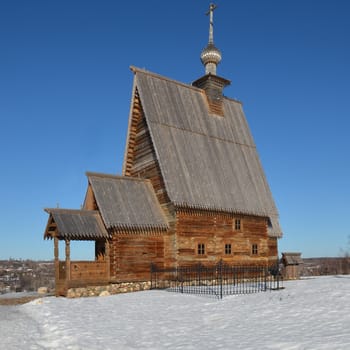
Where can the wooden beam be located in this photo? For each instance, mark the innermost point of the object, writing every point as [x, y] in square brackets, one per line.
[108, 262]
[57, 263]
[67, 259]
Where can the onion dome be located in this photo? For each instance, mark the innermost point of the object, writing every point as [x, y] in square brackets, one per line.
[210, 57]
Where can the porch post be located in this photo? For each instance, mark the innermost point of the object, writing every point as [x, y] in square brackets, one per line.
[107, 254]
[67, 259]
[57, 263]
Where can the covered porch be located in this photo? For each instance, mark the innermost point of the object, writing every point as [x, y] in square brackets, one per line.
[78, 225]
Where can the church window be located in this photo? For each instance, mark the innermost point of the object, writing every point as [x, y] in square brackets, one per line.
[201, 249]
[254, 249]
[238, 224]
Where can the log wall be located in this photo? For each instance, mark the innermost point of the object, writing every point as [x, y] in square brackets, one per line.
[90, 201]
[141, 160]
[273, 250]
[88, 270]
[132, 255]
[215, 230]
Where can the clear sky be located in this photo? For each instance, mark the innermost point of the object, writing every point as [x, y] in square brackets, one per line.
[65, 90]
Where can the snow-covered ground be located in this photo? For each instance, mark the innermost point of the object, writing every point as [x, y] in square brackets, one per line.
[14, 295]
[307, 314]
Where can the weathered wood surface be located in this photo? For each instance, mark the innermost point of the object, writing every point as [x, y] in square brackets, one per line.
[88, 270]
[132, 255]
[207, 162]
[216, 230]
[292, 272]
[83, 270]
[141, 160]
[80, 274]
[273, 250]
[127, 202]
[74, 224]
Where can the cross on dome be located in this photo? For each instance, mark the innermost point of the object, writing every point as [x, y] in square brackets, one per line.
[211, 55]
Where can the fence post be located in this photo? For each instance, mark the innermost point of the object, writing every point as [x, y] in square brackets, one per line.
[181, 278]
[152, 272]
[199, 266]
[220, 277]
[201, 279]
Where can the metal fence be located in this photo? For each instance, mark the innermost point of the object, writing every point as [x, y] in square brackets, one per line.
[218, 280]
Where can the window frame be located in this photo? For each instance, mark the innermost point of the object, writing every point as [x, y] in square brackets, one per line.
[255, 249]
[201, 249]
[237, 224]
[228, 248]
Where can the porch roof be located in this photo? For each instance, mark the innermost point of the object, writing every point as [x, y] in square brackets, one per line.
[127, 203]
[75, 225]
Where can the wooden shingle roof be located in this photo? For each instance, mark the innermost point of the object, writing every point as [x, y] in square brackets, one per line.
[75, 225]
[127, 203]
[207, 161]
[292, 258]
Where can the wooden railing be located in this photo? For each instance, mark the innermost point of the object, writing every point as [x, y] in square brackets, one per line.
[84, 270]
[62, 270]
[88, 270]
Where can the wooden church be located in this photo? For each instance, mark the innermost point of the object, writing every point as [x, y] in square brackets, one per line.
[192, 189]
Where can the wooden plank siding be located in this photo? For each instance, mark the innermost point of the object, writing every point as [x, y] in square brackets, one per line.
[90, 200]
[141, 160]
[215, 230]
[132, 255]
[273, 250]
[80, 274]
[88, 270]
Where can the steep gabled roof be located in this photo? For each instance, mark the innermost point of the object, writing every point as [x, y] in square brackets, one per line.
[75, 225]
[126, 202]
[207, 161]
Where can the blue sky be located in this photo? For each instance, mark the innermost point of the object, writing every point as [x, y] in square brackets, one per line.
[65, 89]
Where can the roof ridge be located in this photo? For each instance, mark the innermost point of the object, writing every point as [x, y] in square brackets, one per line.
[71, 211]
[189, 85]
[233, 99]
[116, 177]
[161, 77]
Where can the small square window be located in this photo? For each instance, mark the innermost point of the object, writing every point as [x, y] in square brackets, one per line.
[201, 249]
[237, 224]
[254, 249]
[228, 249]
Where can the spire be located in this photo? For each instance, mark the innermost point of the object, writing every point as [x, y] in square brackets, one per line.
[211, 56]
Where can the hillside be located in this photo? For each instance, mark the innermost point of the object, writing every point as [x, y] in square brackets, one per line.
[25, 275]
[312, 313]
[325, 266]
